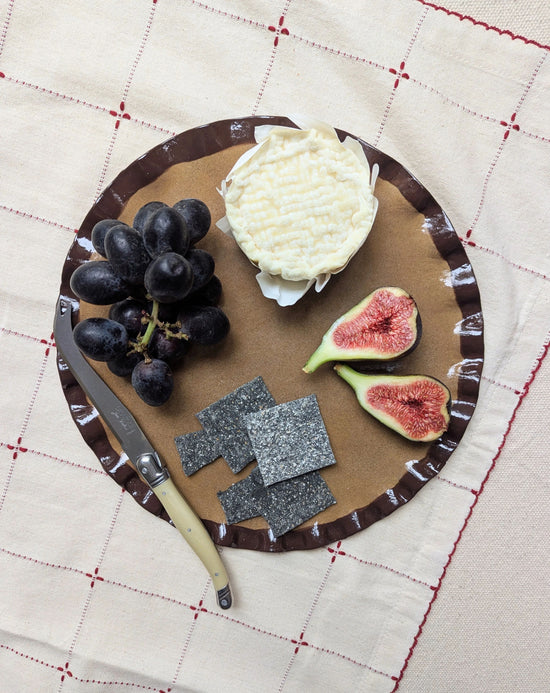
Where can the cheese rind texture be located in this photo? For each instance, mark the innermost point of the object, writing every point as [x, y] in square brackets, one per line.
[301, 204]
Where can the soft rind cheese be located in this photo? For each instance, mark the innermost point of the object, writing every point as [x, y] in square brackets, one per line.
[299, 205]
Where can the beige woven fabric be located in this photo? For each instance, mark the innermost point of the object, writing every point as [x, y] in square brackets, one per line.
[520, 18]
[97, 595]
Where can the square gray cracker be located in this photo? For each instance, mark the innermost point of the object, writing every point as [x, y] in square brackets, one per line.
[196, 450]
[237, 501]
[224, 419]
[289, 503]
[289, 439]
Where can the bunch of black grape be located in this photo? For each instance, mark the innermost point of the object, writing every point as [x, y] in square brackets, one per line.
[162, 291]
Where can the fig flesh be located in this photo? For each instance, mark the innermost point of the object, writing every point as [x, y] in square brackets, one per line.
[384, 326]
[416, 406]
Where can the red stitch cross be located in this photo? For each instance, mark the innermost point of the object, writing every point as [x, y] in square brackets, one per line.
[17, 448]
[510, 126]
[336, 552]
[66, 671]
[399, 73]
[120, 114]
[299, 643]
[198, 609]
[278, 30]
[94, 577]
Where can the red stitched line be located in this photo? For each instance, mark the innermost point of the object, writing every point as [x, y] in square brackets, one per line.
[88, 600]
[504, 386]
[470, 111]
[27, 215]
[229, 15]
[267, 73]
[51, 92]
[501, 146]
[24, 425]
[190, 633]
[488, 27]
[122, 106]
[308, 618]
[455, 485]
[6, 25]
[127, 684]
[538, 363]
[381, 565]
[38, 340]
[495, 253]
[53, 458]
[396, 82]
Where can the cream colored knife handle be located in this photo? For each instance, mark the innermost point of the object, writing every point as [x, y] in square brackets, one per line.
[196, 535]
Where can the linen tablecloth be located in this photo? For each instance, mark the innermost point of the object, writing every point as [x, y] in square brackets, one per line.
[450, 592]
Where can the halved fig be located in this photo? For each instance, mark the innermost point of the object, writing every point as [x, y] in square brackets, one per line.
[416, 406]
[383, 326]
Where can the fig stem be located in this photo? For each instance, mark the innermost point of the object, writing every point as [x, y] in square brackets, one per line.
[314, 361]
[345, 372]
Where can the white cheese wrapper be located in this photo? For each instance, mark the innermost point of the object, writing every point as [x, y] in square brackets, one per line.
[287, 291]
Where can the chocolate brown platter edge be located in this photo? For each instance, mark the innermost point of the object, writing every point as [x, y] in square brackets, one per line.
[200, 143]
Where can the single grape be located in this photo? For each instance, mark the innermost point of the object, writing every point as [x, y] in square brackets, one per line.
[129, 313]
[153, 381]
[100, 231]
[101, 339]
[204, 325]
[96, 282]
[144, 212]
[169, 278]
[165, 230]
[126, 253]
[208, 295]
[124, 365]
[166, 348]
[197, 216]
[202, 264]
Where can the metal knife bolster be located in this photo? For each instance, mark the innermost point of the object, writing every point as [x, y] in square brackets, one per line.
[151, 469]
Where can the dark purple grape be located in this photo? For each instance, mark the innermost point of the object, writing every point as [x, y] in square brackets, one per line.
[124, 365]
[165, 231]
[126, 253]
[129, 313]
[153, 381]
[165, 348]
[197, 216]
[169, 278]
[101, 339]
[208, 295]
[202, 264]
[204, 325]
[96, 282]
[144, 213]
[100, 231]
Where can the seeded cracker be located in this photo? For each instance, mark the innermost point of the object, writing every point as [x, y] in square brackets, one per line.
[290, 503]
[196, 450]
[289, 440]
[224, 420]
[237, 501]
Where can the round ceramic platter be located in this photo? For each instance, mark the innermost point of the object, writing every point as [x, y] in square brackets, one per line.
[412, 245]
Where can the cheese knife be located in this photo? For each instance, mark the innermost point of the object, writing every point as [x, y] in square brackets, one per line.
[141, 453]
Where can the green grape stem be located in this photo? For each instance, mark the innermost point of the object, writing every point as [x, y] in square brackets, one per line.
[153, 322]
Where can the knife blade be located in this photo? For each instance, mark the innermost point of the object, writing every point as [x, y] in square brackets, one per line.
[141, 453]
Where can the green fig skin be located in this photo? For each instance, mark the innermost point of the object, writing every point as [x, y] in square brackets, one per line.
[377, 347]
[422, 402]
